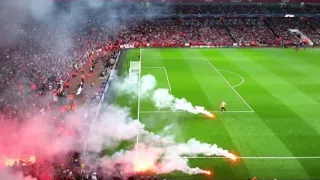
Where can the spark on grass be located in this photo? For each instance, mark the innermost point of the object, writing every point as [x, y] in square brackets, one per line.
[211, 115]
[207, 172]
[232, 157]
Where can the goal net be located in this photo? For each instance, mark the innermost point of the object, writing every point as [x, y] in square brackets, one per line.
[134, 71]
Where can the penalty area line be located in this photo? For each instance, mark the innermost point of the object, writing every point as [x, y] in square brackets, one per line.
[165, 71]
[146, 112]
[151, 67]
[215, 69]
[247, 157]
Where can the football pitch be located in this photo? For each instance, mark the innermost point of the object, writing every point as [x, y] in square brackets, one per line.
[272, 120]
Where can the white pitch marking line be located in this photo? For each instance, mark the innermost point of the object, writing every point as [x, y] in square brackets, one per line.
[153, 67]
[165, 71]
[242, 79]
[175, 58]
[146, 112]
[229, 84]
[139, 93]
[248, 157]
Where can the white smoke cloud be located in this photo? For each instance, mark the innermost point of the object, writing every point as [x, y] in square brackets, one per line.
[126, 85]
[154, 152]
[160, 154]
[195, 148]
[148, 83]
[95, 3]
[66, 15]
[113, 126]
[41, 9]
[172, 157]
[160, 97]
[130, 86]
[177, 163]
[166, 159]
[163, 99]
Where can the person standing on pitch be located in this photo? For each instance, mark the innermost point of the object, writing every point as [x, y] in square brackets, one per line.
[223, 106]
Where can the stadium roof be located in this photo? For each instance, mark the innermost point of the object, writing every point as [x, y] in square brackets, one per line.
[226, 1]
[210, 1]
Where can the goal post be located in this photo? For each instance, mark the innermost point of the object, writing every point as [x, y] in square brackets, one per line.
[134, 71]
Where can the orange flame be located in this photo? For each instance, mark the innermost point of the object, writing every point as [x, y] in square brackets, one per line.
[207, 172]
[233, 157]
[27, 159]
[142, 166]
[211, 115]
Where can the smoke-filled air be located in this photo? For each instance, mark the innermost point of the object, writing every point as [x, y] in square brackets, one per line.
[53, 114]
[163, 99]
[154, 152]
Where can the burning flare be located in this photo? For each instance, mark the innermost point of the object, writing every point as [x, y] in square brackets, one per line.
[207, 172]
[163, 99]
[211, 115]
[142, 166]
[232, 157]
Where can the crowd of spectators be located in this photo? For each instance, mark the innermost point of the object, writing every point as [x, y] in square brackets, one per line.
[36, 65]
[199, 9]
[70, 166]
[281, 25]
[178, 32]
[314, 34]
[274, 9]
[30, 69]
[65, 167]
[231, 9]
[31, 73]
[312, 9]
[250, 30]
[239, 9]
[217, 31]
[307, 29]
[294, 10]
[219, 9]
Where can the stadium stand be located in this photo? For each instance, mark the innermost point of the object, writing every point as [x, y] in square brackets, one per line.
[249, 30]
[312, 9]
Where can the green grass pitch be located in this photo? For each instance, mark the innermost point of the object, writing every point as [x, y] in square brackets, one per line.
[273, 118]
